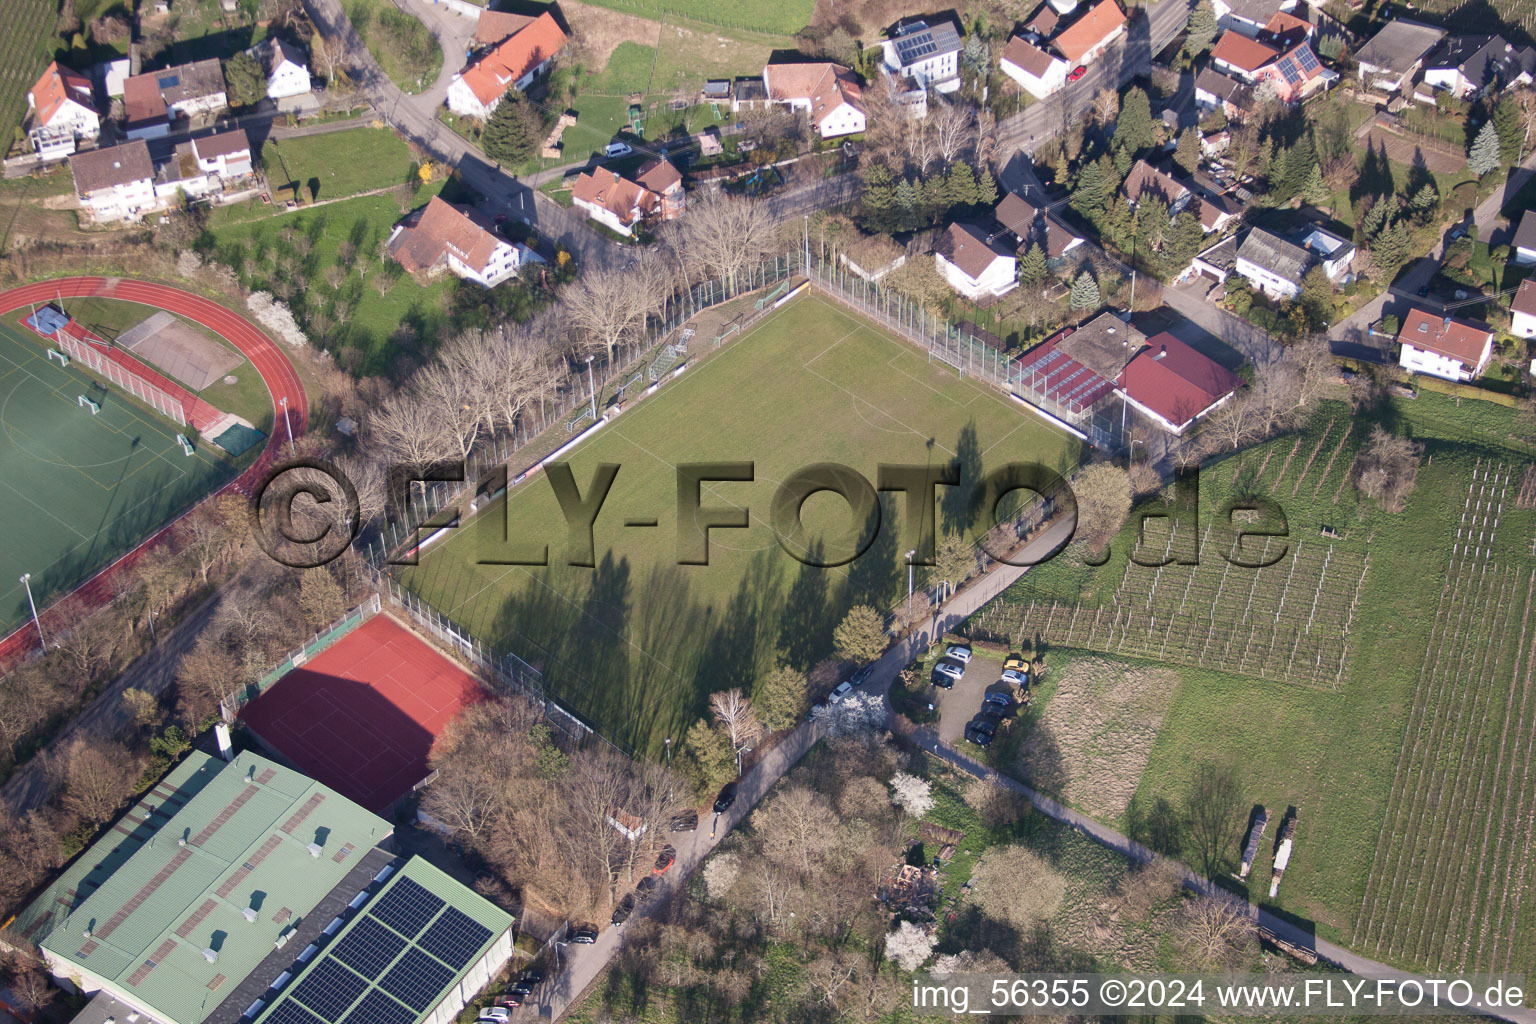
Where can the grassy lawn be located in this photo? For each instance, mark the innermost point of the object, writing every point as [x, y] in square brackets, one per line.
[247, 397]
[402, 45]
[1349, 754]
[25, 52]
[338, 164]
[637, 644]
[784, 17]
[202, 30]
[305, 249]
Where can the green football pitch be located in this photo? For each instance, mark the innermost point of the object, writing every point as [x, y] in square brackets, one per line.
[636, 644]
[76, 489]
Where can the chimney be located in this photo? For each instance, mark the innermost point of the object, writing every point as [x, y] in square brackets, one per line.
[315, 850]
[1162, 351]
[226, 749]
[211, 955]
[250, 914]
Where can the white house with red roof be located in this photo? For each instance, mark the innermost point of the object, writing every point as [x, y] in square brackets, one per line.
[458, 239]
[1173, 384]
[283, 64]
[1037, 70]
[1280, 55]
[513, 63]
[613, 200]
[1086, 39]
[1443, 346]
[1523, 310]
[62, 112]
[827, 93]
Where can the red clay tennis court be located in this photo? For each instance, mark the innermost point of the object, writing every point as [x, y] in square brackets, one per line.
[361, 716]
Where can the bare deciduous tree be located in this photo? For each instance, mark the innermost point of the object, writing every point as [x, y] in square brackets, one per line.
[1015, 885]
[1214, 808]
[604, 308]
[96, 775]
[1388, 469]
[1215, 930]
[724, 236]
[952, 125]
[734, 712]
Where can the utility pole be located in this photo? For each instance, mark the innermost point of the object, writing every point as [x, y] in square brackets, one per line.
[591, 389]
[909, 581]
[287, 426]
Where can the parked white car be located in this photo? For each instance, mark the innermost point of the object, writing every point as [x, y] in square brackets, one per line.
[960, 654]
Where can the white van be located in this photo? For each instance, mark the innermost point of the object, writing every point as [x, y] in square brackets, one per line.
[616, 149]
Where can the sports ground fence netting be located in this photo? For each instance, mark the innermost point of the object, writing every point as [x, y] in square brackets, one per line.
[409, 534]
[117, 366]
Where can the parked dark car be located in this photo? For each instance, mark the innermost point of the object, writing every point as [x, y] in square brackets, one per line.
[584, 934]
[664, 860]
[726, 798]
[686, 821]
[982, 729]
[645, 888]
[624, 909]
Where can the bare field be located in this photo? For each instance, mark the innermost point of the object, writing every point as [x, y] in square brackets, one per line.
[1092, 741]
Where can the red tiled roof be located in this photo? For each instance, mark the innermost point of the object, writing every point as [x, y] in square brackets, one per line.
[614, 193]
[494, 26]
[1285, 30]
[1241, 52]
[443, 228]
[1020, 52]
[492, 74]
[826, 86]
[659, 176]
[967, 247]
[56, 87]
[1525, 298]
[211, 147]
[142, 101]
[1446, 336]
[1090, 30]
[1175, 381]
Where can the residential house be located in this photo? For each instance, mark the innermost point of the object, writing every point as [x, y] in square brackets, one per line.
[1045, 21]
[1522, 248]
[1390, 59]
[1173, 384]
[663, 181]
[1294, 72]
[1145, 180]
[444, 236]
[512, 63]
[180, 176]
[1032, 225]
[1284, 31]
[828, 94]
[1273, 265]
[1443, 346]
[611, 199]
[152, 101]
[973, 264]
[116, 182]
[111, 75]
[1214, 211]
[1248, 16]
[1216, 91]
[225, 154]
[62, 112]
[1038, 71]
[1466, 66]
[1523, 310]
[1216, 262]
[926, 53]
[492, 28]
[1091, 34]
[287, 73]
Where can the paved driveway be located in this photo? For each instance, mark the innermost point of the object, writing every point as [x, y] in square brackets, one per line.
[958, 706]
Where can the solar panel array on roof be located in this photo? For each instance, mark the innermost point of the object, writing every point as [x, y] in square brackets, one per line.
[378, 1008]
[454, 938]
[1308, 58]
[1288, 69]
[915, 47]
[416, 979]
[369, 948]
[329, 989]
[290, 1012]
[168, 81]
[406, 908]
[1062, 378]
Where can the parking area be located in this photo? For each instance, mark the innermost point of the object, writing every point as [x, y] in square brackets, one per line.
[956, 707]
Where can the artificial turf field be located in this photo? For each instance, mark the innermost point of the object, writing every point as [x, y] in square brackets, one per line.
[637, 643]
[77, 490]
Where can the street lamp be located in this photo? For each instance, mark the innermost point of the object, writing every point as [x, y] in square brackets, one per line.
[283, 401]
[591, 388]
[668, 744]
[739, 752]
[26, 578]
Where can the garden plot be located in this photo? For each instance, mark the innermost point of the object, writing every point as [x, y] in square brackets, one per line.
[1450, 884]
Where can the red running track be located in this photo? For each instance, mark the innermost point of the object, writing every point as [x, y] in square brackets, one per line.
[276, 372]
[361, 716]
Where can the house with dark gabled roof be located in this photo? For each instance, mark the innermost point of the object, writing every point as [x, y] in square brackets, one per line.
[1523, 310]
[1443, 346]
[1033, 225]
[1522, 248]
[1248, 16]
[1273, 265]
[1216, 91]
[1471, 65]
[1039, 71]
[116, 182]
[973, 264]
[926, 51]
[1175, 385]
[1389, 59]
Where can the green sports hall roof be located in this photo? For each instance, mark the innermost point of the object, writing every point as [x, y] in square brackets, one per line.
[192, 889]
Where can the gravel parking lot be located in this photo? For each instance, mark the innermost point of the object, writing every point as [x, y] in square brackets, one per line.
[958, 706]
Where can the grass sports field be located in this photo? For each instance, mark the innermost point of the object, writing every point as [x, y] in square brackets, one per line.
[77, 490]
[638, 643]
